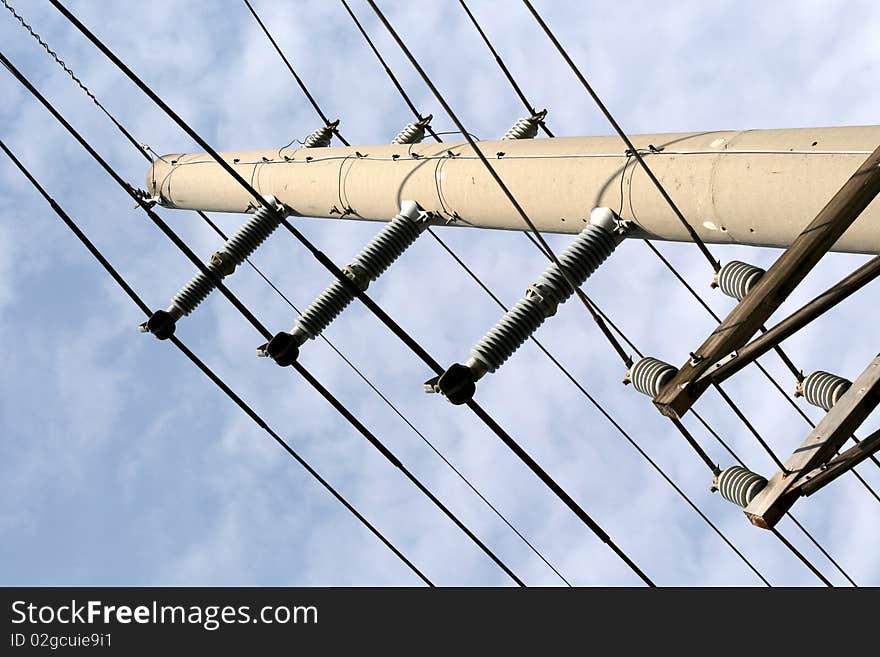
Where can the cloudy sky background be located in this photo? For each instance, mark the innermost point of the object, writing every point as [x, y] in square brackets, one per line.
[122, 465]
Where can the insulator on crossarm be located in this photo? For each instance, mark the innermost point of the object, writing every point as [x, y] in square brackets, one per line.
[525, 128]
[413, 132]
[235, 251]
[649, 375]
[736, 278]
[581, 258]
[822, 389]
[738, 485]
[394, 238]
[321, 137]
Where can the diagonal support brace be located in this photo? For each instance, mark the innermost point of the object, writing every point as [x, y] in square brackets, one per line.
[817, 449]
[824, 475]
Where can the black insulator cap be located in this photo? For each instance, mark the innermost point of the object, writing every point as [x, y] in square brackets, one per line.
[283, 349]
[161, 324]
[457, 384]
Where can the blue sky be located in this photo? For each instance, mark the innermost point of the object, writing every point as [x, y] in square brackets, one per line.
[121, 464]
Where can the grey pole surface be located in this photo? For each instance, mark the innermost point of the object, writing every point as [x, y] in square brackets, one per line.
[754, 187]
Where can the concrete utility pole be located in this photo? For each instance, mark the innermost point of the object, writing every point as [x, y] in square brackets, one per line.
[757, 187]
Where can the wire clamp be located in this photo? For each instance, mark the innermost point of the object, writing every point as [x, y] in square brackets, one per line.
[282, 348]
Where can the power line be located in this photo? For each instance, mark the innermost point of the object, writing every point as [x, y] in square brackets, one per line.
[716, 265]
[603, 411]
[369, 383]
[740, 461]
[72, 75]
[142, 149]
[682, 430]
[757, 363]
[492, 172]
[564, 496]
[599, 317]
[631, 148]
[445, 460]
[803, 529]
[458, 123]
[480, 283]
[525, 101]
[385, 399]
[708, 461]
[296, 77]
[366, 433]
[801, 556]
[205, 369]
[391, 75]
[736, 458]
[582, 515]
[785, 359]
[633, 152]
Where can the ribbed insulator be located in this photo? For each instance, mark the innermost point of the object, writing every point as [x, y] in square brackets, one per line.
[823, 389]
[235, 251]
[580, 259]
[649, 375]
[320, 138]
[412, 133]
[740, 485]
[736, 278]
[394, 238]
[525, 128]
[193, 293]
[508, 335]
[250, 235]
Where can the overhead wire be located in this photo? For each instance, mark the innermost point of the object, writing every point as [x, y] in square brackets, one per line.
[246, 408]
[562, 368]
[281, 294]
[679, 426]
[684, 432]
[605, 412]
[327, 122]
[487, 419]
[758, 364]
[308, 158]
[476, 149]
[141, 147]
[682, 429]
[796, 522]
[543, 246]
[632, 151]
[301, 370]
[779, 351]
[727, 447]
[716, 266]
[419, 117]
[525, 101]
[494, 174]
[393, 78]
